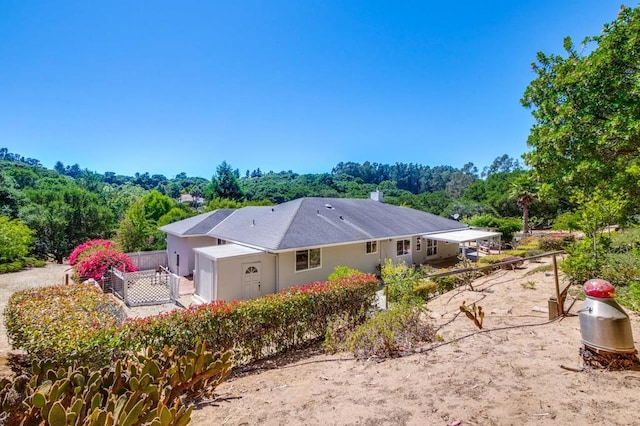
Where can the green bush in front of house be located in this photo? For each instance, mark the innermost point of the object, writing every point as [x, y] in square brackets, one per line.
[388, 334]
[260, 327]
[65, 323]
[79, 323]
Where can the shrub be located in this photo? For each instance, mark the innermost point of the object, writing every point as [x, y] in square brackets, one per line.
[620, 268]
[15, 240]
[400, 280]
[507, 226]
[64, 323]
[90, 246]
[425, 289]
[259, 327]
[390, 333]
[11, 267]
[96, 263]
[630, 296]
[533, 252]
[343, 272]
[556, 241]
[492, 258]
[515, 253]
[582, 264]
[529, 242]
[79, 322]
[32, 262]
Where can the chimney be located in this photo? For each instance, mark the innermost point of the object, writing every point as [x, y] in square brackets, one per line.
[377, 196]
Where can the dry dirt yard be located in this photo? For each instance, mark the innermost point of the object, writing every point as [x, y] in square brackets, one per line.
[503, 376]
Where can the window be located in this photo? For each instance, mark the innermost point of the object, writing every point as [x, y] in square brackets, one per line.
[221, 242]
[418, 244]
[307, 259]
[403, 247]
[372, 247]
[432, 247]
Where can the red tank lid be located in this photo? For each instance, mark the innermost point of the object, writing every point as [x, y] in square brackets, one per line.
[599, 288]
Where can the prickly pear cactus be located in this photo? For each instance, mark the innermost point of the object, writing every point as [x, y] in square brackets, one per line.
[151, 389]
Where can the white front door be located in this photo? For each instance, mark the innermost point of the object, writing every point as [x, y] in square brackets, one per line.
[251, 278]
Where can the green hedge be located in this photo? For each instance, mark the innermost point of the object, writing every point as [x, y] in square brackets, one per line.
[260, 327]
[80, 323]
[64, 323]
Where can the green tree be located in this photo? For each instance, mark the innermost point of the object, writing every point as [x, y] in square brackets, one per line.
[587, 121]
[525, 191]
[135, 230]
[120, 198]
[10, 197]
[138, 230]
[156, 205]
[64, 216]
[16, 239]
[225, 184]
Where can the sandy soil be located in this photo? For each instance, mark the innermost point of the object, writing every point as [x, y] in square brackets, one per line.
[500, 377]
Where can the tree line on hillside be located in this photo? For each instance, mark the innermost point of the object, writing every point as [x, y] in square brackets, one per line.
[67, 205]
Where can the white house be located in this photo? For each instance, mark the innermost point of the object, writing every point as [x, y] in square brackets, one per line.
[253, 251]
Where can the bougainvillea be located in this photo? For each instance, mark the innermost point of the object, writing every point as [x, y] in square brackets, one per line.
[95, 264]
[88, 247]
[93, 258]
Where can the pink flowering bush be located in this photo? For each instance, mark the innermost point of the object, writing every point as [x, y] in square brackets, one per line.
[88, 247]
[95, 264]
[93, 258]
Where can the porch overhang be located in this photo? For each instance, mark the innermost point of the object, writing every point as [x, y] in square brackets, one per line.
[462, 236]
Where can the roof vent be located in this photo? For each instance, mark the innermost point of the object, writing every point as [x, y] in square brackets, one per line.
[253, 222]
[329, 206]
[272, 209]
[341, 218]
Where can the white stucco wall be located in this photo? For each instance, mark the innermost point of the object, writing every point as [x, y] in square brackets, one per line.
[222, 279]
[444, 250]
[184, 246]
[351, 255]
[229, 285]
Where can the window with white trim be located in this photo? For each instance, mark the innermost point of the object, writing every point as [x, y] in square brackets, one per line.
[403, 247]
[308, 259]
[372, 247]
[418, 243]
[432, 247]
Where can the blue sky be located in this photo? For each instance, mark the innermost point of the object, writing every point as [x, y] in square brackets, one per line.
[168, 87]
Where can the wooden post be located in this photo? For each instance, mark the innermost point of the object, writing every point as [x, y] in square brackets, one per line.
[559, 297]
[66, 279]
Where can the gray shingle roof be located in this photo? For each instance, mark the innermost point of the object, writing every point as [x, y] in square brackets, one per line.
[197, 225]
[309, 222]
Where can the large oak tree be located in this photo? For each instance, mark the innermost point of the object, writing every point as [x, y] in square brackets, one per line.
[586, 105]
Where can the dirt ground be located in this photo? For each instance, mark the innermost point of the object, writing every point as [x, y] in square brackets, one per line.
[502, 376]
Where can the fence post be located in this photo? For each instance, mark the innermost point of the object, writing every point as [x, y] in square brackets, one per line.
[125, 296]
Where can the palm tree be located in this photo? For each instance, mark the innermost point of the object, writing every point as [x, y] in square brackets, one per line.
[525, 191]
